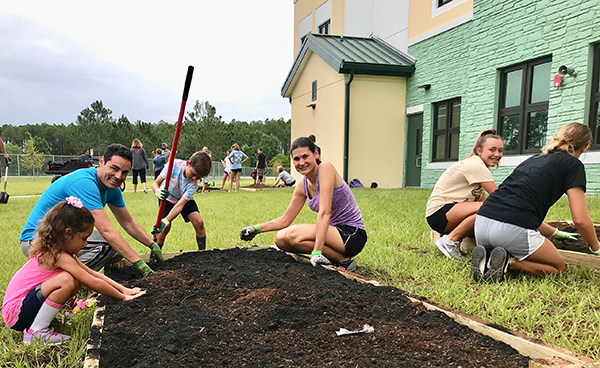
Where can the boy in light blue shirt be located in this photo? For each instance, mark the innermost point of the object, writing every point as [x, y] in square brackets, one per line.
[185, 179]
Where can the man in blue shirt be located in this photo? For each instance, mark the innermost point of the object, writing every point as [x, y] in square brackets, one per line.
[97, 187]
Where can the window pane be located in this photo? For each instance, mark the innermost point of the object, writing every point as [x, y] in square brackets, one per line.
[510, 132]
[513, 88]
[453, 146]
[455, 122]
[540, 83]
[596, 123]
[440, 146]
[442, 113]
[537, 123]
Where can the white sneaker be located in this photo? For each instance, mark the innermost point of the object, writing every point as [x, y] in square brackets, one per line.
[451, 249]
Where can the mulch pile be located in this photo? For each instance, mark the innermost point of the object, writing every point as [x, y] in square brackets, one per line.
[261, 308]
[258, 186]
[578, 245]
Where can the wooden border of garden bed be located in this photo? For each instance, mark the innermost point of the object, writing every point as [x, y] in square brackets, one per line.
[542, 355]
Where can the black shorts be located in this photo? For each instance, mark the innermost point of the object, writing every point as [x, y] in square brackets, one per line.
[189, 207]
[29, 308]
[236, 170]
[141, 173]
[290, 184]
[354, 239]
[438, 220]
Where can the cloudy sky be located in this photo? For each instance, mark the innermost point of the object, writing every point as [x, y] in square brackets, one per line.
[57, 57]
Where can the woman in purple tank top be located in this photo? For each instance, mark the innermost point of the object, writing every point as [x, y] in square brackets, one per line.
[338, 234]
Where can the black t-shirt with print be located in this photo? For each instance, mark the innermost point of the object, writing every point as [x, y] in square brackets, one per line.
[525, 197]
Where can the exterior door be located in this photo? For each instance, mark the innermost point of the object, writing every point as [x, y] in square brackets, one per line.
[413, 150]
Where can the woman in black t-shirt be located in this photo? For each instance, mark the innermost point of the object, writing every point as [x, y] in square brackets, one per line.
[507, 223]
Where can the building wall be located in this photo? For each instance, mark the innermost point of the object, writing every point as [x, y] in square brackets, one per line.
[309, 14]
[387, 19]
[425, 19]
[376, 136]
[326, 120]
[466, 61]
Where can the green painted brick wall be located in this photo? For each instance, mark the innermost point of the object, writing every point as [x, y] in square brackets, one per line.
[466, 60]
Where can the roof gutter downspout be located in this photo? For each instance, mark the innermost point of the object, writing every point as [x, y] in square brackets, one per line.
[347, 124]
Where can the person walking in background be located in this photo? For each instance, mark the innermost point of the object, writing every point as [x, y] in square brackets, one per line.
[338, 234]
[460, 191]
[165, 151]
[53, 274]
[261, 167]
[226, 169]
[510, 221]
[313, 138]
[139, 164]
[85, 155]
[285, 178]
[237, 158]
[158, 162]
[205, 178]
[184, 181]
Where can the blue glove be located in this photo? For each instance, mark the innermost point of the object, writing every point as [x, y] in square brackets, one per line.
[162, 194]
[317, 257]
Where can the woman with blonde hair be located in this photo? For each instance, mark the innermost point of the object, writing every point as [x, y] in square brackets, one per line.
[139, 164]
[460, 191]
[237, 158]
[507, 223]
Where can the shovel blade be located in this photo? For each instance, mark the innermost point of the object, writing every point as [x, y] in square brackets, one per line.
[4, 197]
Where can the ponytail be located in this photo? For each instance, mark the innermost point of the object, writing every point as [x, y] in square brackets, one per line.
[570, 139]
[481, 138]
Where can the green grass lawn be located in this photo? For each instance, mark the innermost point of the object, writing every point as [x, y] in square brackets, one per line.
[561, 309]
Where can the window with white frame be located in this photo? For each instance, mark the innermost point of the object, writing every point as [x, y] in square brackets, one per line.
[595, 99]
[523, 106]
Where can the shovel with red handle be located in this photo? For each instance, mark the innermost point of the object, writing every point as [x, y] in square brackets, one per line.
[3, 195]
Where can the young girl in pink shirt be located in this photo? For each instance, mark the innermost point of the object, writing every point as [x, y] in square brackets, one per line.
[53, 274]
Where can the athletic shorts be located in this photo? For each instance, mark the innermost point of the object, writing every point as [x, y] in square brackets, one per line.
[354, 239]
[438, 221]
[141, 173]
[518, 241]
[261, 172]
[29, 309]
[156, 174]
[290, 184]
[236, 170]
[189, 207]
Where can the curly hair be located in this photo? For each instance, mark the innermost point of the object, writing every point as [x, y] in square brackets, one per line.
[50, 240]
[570, 138]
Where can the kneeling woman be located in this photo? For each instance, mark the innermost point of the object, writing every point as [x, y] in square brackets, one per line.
[339, 233]
[507, 223]
[460, 191]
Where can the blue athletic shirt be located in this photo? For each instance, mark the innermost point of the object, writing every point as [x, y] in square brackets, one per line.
[237, 157]
[83, 184]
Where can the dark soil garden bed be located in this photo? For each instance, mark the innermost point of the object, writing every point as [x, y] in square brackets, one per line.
[259, 186]
[262, 308]
[578, 245]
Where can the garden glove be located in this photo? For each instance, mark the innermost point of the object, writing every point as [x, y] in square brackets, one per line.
[142, 266]
[249, 232]
[163, 223]
[156, 251]
[564, 235]
[317, 257]
[162, 194]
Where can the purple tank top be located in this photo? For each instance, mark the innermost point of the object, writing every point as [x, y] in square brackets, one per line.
[344, 210]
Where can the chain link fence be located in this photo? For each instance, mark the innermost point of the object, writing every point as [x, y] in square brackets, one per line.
[16, 168]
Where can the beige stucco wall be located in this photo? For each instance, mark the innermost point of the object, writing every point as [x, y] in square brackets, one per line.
[377, 121]
[420, 18]
[303, 8]
[326, 120]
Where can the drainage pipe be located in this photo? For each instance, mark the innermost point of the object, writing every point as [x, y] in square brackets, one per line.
[347, 124]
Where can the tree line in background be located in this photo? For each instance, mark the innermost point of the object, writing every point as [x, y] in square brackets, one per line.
[95, 128]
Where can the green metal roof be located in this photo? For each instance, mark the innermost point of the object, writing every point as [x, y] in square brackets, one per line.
[370, 56]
